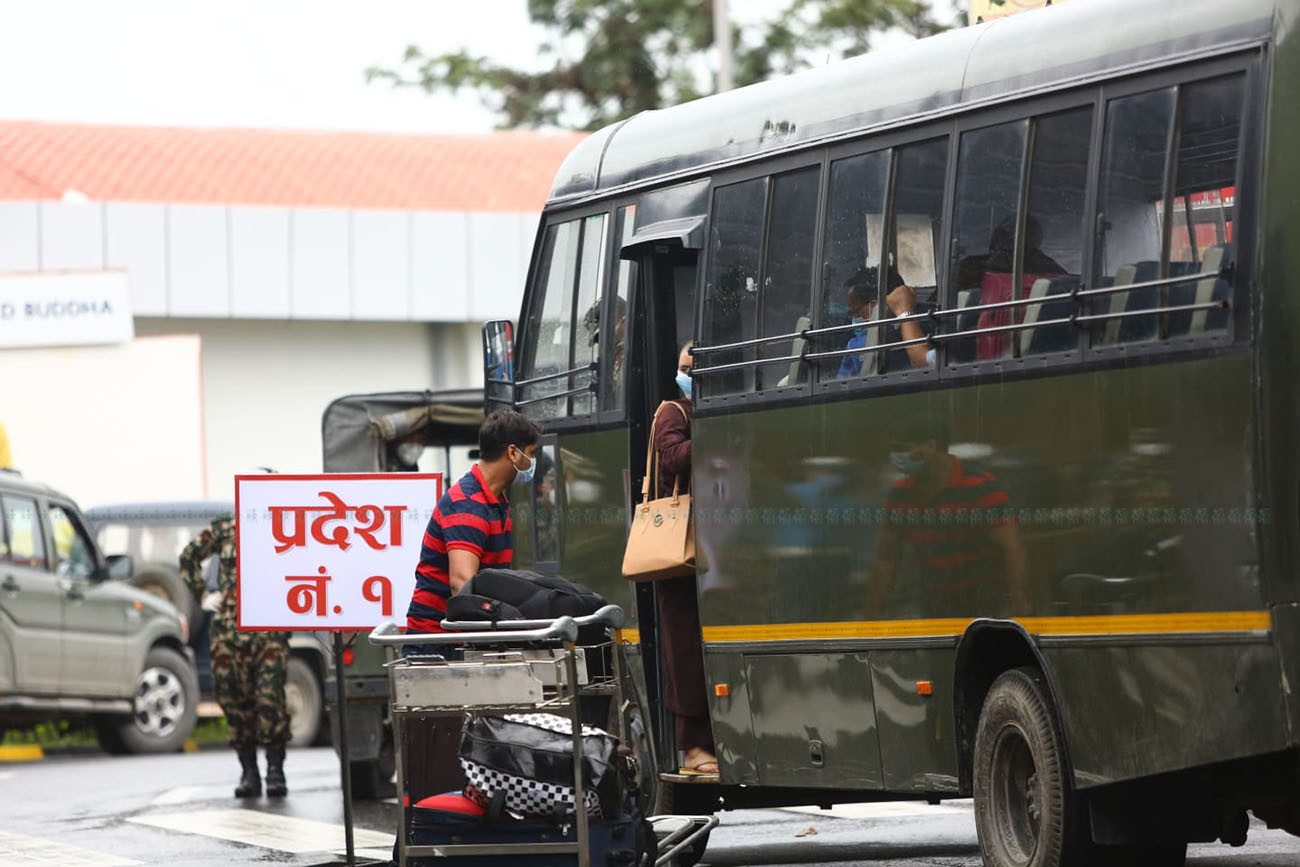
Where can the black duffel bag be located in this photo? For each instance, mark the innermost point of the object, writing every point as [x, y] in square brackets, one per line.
[525, 595]
[525, 762]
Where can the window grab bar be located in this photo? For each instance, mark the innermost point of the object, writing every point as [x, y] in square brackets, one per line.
[746, 344]
[1077, 295]
[755, 362]
[590, 387]
[840, 353]
[1154, 311]
[550, 376]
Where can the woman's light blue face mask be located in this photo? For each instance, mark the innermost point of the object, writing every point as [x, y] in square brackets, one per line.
[684, 382]
[523, 477]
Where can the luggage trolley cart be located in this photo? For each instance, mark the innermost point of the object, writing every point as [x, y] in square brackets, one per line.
[536, 665]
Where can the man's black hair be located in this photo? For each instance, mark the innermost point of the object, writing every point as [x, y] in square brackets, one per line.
[505, 427]
[863, 281]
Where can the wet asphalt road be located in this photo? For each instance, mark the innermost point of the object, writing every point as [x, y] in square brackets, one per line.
[93, 810]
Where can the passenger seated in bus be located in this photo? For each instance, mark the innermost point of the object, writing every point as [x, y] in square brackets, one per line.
[860, 293]
[956, 520]
[991, 273]
[678, 604]
[902, 301]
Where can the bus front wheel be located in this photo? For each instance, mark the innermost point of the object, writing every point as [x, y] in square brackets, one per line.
[1023, 802]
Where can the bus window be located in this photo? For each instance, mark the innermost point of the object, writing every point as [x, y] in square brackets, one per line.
[1058, 178]
[613, 380]
[985, 221]
[731, 290]
[1209, 130]
[586, 335]
[570, 276]
[919, 175]
[1131, 188]
[787, 274]
[1135, 205]
[850, 264]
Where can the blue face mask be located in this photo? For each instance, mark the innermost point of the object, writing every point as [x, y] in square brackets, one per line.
[907, 463]
[684, 383]
[523, 477]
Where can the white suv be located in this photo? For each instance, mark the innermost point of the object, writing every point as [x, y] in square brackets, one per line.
[75, 643]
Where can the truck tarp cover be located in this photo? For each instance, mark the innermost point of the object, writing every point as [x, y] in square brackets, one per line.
[355, 429]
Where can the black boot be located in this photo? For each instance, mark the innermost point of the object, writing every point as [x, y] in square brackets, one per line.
[275, 784]
[250, 784]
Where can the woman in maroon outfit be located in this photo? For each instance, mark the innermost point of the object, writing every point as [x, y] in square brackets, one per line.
[679, 612]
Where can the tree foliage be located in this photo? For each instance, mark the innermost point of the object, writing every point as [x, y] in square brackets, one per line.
[605, 60]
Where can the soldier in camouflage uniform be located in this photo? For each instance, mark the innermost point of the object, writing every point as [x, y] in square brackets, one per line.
[248, 668]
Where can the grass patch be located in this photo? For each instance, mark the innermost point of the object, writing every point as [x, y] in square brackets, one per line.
[52, 735]
[81, 733]
[210, 731]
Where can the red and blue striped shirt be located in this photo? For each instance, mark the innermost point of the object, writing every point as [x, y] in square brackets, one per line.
[468, 517]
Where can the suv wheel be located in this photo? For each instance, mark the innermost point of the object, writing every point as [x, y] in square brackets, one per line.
[165, 706]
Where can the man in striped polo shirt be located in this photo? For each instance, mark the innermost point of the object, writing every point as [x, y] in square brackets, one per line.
[471, 527]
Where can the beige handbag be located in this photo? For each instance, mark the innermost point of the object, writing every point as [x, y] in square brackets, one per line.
[661, 543]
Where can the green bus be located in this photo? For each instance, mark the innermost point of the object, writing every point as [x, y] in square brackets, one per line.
[994, 469]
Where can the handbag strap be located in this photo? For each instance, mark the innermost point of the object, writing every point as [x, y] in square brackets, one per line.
[652, 455]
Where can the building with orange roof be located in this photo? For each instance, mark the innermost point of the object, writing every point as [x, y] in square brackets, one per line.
[266, 272]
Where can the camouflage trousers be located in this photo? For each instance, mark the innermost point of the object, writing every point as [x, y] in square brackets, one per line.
[248, 673]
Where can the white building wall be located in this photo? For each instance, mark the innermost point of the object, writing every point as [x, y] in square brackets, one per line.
[281, 310]
[107, 423]
[265, 385]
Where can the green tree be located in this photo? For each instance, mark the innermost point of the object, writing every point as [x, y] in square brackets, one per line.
[605, 60]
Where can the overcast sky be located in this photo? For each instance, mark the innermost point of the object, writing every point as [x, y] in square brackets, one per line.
[265, 63]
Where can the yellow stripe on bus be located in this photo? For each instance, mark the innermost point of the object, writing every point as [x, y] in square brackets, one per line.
[1102, 624]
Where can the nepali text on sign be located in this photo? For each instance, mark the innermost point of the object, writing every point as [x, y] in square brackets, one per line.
[329, 551]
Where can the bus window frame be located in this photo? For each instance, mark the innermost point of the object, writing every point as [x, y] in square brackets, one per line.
[1238, 330]
[549, 219]
[784, 164]
[1031, 110]
[909, 377]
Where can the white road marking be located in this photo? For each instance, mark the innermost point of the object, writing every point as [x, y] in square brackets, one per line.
[268, 830]
[178, 795]
[886, 810]
[17, 850]
[4, 775]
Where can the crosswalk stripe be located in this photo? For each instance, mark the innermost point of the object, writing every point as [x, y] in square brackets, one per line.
[271, 831]
[17, 850]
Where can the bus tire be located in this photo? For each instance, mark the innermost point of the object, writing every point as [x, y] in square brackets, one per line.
[1024, 805]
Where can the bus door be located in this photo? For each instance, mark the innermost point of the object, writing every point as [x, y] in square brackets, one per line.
[666, 262]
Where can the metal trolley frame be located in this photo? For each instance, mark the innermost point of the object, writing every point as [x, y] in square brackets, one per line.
[536, 666]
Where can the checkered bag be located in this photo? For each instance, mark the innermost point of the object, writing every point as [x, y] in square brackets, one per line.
[527, 761]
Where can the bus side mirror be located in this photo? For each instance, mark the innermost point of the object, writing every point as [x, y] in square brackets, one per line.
[498, 365]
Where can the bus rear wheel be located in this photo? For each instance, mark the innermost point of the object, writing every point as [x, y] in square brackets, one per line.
[1023, 802]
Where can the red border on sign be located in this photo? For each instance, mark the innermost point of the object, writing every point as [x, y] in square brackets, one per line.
[307, 477]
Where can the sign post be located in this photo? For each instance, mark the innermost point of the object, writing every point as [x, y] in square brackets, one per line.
[334, 552]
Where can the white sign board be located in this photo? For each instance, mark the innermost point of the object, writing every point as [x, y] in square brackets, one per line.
[65, 308]
[331, 551]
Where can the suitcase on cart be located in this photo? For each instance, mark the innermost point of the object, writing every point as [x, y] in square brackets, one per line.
[624, 842]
